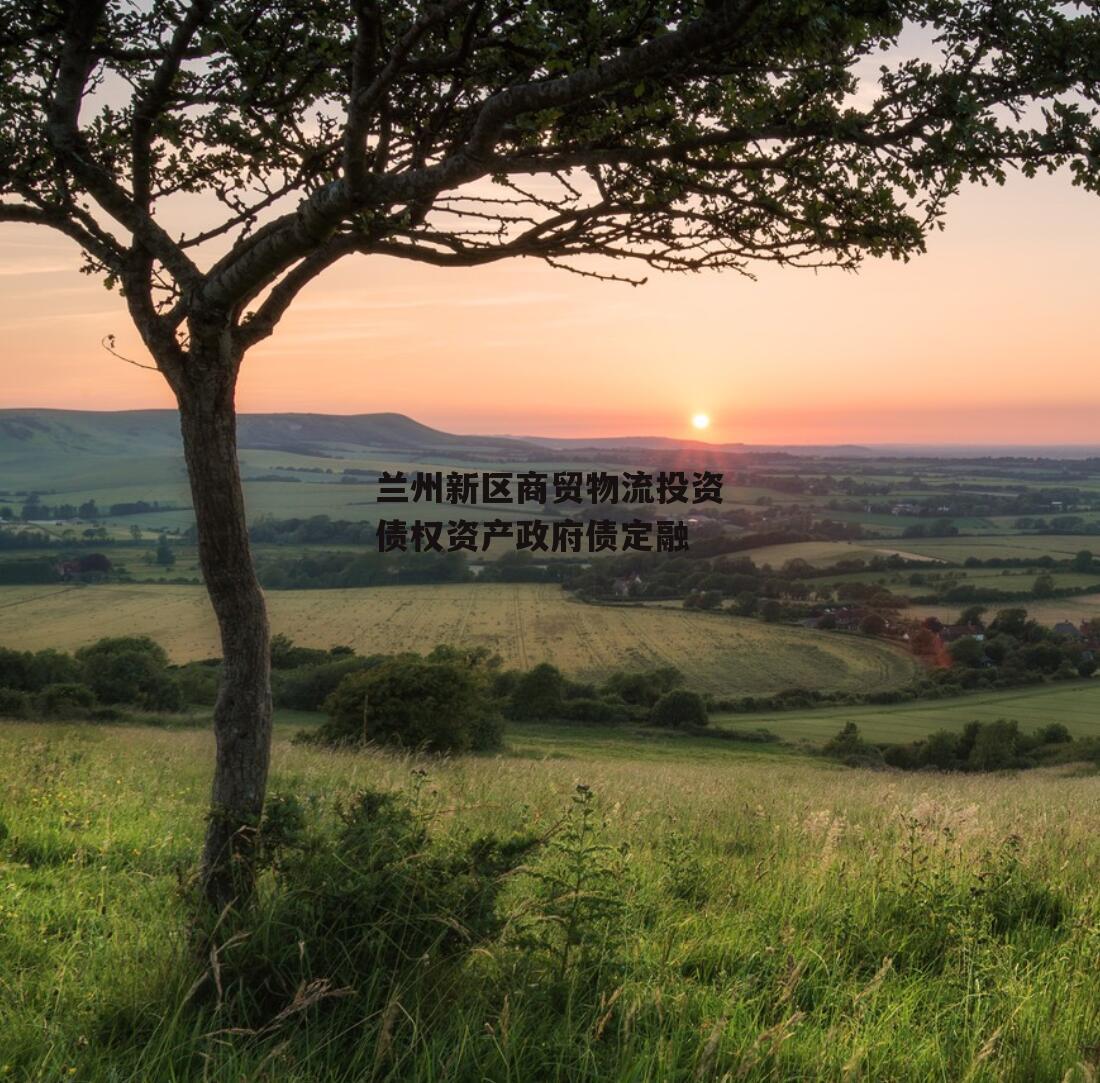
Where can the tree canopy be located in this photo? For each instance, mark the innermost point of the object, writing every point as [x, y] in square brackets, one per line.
[683, 135]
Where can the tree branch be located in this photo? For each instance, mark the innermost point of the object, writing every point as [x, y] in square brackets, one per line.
[76, 63]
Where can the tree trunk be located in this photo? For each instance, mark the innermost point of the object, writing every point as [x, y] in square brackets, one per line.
[242, 715]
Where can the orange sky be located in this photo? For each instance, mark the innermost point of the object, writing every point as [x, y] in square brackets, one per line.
[993, 337]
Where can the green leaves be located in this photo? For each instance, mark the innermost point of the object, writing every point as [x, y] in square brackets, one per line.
[685, 135]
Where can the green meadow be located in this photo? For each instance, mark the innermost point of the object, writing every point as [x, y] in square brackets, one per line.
[1076, 705]
[764, 916]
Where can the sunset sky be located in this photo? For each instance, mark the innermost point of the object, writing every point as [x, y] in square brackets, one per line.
[993, 337]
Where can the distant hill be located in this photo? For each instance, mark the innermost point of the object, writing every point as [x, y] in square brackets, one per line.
[129, 432]
[667, 443]
[35, 432]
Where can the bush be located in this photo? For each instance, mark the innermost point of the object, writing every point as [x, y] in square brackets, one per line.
[593, 710]
[64, 701]
[438, 705]
[29, 672]
[130, 670]
[996, 746]
[679, 709]
[1055, 733]
[940, 749]
[363, 906]
[874, 624]
[14, 703]
[967, 651]
[15, 669]
[199, 682]
[538, 694]
[848, 745]
[285, 654]
[905, 757]
[307, 688]
[643, 688]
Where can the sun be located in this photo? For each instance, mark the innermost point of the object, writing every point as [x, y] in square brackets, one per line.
[701, 421]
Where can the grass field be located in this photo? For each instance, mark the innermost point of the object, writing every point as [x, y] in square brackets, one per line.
[953, 550]
[985, 547]
[824, 553]
[525, 624]
[1010, 580]
[1047, 611]
[1076, 704]
[777, 918]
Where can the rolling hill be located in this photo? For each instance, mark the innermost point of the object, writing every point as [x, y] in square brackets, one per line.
[130, 432]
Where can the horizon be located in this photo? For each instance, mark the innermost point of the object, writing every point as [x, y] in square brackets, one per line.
[989, 338]
[533, 436]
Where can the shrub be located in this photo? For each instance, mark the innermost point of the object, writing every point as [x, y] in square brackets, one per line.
[874, 624]
[285, 654]
[996, 746]
[679, 709]
[64, 701]
[1054, 733]
[31, 672]
[848, 743]
[772, 611]
[967, 651]
[14, 703]
[307, 688]
[905, 757]
[538, 693]
[15, 669]
[590, 709]
[940, 749]
[199, 682]
[643, 688]
[130, 670]
[414, 702]
[363, 906]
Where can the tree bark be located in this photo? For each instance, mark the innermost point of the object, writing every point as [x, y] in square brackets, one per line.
[242, 715]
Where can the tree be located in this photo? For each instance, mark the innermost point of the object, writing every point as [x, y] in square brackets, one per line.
[434, 704]
[130, 670]
[771, 611]
[874, 624]
[967, 651]
[165, 555]
[685, 136]
[849, 744]
[1082, 562]
[940, 749]
[538, 693]
[1012, 622]
[973, 616]
[679, 709]
[996, 745]
[923, 642]
[642, 688]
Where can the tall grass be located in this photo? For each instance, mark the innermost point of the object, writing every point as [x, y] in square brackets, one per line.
[687, 916]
